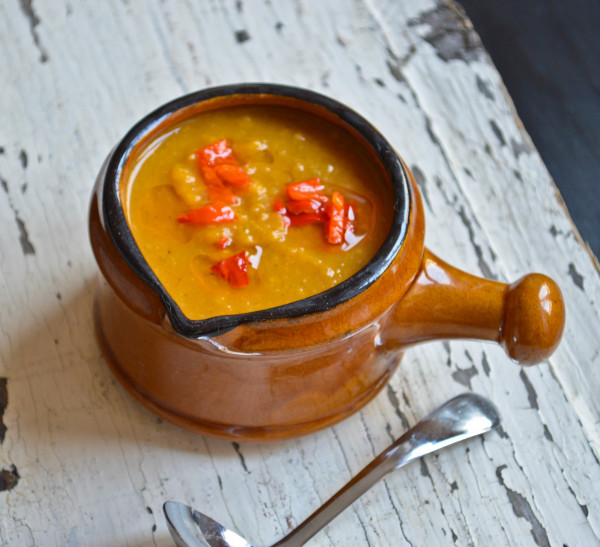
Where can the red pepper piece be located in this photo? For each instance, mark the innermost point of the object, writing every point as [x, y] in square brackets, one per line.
[233, 175]
[305, 206]
[307, 218]
[306, 189]
[214, 213]
[217, 153]
[233, 269]
[217, 191]
[279, 207]
[335, 227]
[220, 193]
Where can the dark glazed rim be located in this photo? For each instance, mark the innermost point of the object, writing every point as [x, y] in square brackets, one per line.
[120, 233]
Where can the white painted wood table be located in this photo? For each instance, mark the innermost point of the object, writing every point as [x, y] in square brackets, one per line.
[82, 463]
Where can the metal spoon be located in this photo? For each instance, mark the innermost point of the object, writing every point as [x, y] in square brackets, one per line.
[460, 418]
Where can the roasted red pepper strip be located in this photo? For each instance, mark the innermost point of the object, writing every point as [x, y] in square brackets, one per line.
[214, 213]
[233, 175]
[335, 227]
[307, 218]
[305, 206]
[279, 207]
[220, 193]
[233, 269]
[217, 153]
[219, 167]
[306, 189]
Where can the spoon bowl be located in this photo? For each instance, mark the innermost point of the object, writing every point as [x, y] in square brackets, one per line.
[460, 418]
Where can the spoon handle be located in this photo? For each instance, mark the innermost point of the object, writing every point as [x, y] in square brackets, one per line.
[460, 418]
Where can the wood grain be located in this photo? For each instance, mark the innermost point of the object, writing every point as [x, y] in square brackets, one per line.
[83, 464]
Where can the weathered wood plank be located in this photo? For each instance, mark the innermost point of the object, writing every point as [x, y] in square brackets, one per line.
[91, 467]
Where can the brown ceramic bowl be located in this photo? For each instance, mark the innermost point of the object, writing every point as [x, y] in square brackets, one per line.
[293, 369]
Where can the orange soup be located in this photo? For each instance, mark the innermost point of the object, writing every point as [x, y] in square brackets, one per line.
[249, 207]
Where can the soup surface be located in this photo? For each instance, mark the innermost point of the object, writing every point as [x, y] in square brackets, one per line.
[249, 207]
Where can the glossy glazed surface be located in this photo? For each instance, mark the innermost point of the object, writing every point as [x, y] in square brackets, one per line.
[292, 374]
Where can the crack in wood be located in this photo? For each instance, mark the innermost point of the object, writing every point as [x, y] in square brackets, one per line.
[395, 64]
[483, 265]
[547, 434]
[448, 349]
[34, 21]
[502, 432]
[485, 364]
[522, 509]
[3, 406]
[26, 245]
[349, 469]
[584, 508]
[424, 469]
[531, 393]
[236, 447]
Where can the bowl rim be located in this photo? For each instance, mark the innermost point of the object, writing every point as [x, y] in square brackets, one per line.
[116, 224]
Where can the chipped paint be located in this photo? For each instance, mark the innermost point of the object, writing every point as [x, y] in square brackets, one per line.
[3, 406]
[241, 36]
[393, 399]
[522, 509]
[26, 245]
[498, 132]
[34, 21]
[23, 159]
[484, 87]
[9, 477]
[531, 393]
[465, 375]
[576, 276]
[450, 33]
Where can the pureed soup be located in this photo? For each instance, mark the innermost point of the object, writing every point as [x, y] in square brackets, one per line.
[252, 206]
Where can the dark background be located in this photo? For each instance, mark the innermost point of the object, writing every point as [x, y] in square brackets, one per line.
[548, 54]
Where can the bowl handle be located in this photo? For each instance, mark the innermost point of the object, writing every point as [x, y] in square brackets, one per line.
[526, 317]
